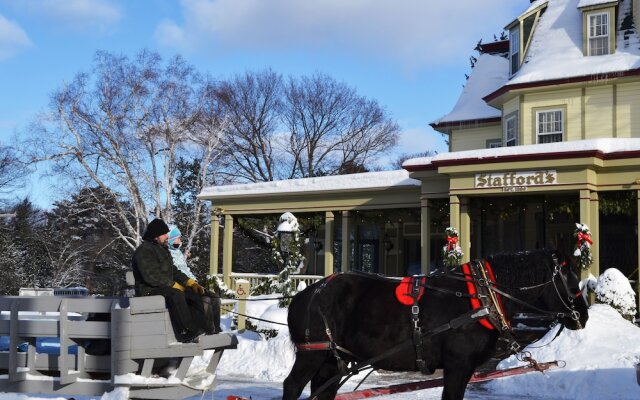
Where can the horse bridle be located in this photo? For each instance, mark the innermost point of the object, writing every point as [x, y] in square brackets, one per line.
[568, 302]
[575, 314]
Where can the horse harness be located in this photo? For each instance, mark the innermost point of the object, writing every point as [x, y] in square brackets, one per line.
[486, 309]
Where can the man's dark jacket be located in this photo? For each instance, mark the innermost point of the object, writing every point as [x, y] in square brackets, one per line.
[153, 267]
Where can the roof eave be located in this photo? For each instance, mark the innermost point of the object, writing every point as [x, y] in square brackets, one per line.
[489, 99]
[445, 127]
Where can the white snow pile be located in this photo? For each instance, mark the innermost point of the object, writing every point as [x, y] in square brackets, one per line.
[613, 288]
[255, 357]
[599, 361]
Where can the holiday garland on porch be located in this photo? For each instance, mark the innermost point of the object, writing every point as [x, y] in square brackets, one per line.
[582, 253]
[451, 252]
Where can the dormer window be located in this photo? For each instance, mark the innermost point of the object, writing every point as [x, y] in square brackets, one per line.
[598, 34]
[598, 26]
[514, 50]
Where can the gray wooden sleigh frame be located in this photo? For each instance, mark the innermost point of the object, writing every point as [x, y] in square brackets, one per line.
[140, 334]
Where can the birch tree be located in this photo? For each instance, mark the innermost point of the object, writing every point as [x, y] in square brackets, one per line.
[121, 128]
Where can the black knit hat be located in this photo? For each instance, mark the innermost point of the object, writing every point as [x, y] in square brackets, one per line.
[156, 228]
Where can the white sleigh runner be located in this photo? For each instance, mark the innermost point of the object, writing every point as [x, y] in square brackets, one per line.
[104, 344]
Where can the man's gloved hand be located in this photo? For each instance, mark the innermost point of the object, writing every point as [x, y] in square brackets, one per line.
[178, 286]
[193, 285]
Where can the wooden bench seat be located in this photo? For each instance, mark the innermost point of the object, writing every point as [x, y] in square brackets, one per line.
[137, 333]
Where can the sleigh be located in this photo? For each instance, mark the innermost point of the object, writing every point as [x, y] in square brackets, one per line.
[76, 345]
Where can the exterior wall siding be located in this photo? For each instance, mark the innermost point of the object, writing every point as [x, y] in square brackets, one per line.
[474, 138]
[598, 114]
[568, 100]
[628, 110]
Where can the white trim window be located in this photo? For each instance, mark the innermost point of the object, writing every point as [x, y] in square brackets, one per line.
[514, 50]
[598, 34]
[511, 130]
[549, 126]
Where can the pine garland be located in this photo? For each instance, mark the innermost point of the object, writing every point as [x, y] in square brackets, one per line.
[582, 253]
[451, 252]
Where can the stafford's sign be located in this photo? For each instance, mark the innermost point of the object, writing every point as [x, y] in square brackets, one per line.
[516, 181]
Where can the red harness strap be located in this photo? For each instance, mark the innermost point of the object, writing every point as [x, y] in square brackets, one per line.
[314, 346]
[404, 289]
[471, 287]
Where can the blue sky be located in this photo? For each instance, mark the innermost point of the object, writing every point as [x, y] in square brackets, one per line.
[410, 55]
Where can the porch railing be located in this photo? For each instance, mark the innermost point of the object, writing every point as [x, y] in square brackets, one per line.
[256, 279]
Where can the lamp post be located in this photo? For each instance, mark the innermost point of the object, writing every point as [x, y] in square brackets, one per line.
[288, 224]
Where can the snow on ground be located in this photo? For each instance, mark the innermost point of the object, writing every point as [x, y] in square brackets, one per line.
[599, 365]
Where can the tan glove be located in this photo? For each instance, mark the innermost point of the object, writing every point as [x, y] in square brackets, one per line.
[178, 286]
[193, 285]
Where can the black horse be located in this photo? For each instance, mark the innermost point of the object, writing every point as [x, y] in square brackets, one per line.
[361, 315]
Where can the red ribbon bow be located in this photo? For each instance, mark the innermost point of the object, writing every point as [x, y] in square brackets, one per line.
[583, 237]
[451, 242]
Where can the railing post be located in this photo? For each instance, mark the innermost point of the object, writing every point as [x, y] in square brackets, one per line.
[243, 287]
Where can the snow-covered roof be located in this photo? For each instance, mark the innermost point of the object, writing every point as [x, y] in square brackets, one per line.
[589, 3]
[604, 146]
[362, 181]
[555, 53]
[556, 46]
[489, 74]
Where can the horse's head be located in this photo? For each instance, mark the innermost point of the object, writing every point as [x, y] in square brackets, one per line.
[565, 297]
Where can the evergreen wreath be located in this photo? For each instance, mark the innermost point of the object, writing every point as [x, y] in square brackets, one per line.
[451, 252]
[582, 253]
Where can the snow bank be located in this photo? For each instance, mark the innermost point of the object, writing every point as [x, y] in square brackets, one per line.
[600, 362]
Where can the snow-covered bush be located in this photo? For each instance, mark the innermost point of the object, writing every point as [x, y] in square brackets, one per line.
[223, 290]
[614, 289]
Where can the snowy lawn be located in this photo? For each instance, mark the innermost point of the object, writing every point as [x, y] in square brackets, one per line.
[599, 365]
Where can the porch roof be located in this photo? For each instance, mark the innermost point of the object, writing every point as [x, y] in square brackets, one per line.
[601, 148]
[326, 184]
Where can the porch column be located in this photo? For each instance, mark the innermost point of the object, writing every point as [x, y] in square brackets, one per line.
[215, 239]
[595, 234]
[454, 211]
[425, 236]
[227, 250]
[638, 236]
[346, 241]
[328, 243]
[465, 229]
[585, 218]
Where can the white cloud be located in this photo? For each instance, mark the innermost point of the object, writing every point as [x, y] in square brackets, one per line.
[411, 32]
[12, 38]
[76, 15]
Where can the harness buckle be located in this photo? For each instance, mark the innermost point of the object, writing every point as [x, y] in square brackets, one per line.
[415, 310]
[514, 346]
[458, 294]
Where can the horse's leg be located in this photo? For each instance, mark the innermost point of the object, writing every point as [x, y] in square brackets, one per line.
[304, 368]
[327, 371]
[456, 378]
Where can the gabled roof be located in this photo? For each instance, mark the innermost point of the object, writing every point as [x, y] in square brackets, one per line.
[555, 54]
[554, 57]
